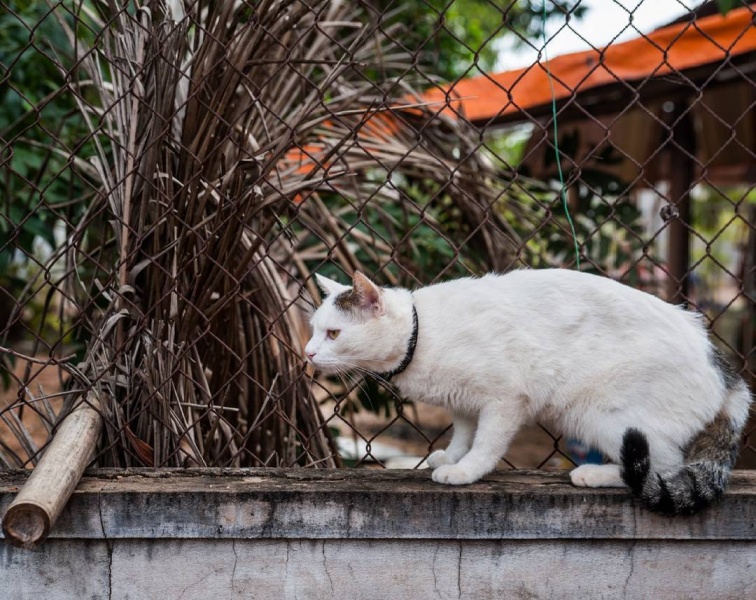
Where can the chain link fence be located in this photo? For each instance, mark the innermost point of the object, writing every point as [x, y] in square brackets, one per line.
[175, 172]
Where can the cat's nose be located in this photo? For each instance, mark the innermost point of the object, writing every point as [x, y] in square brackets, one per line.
[310, 355]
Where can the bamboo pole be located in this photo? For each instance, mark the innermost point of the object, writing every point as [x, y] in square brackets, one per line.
[32, 514]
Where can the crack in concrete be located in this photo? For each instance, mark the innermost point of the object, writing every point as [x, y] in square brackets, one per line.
[631, 551]
[631, 556]
[287, 581]
[109, 545]
[632, 570]
[198, 581]
[433, 572]
[459, 571]
[325, 567]
[236, 560]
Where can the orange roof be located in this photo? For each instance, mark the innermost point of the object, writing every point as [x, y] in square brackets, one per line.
[673, 48]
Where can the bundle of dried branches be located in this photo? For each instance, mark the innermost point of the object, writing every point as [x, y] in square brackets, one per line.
[238, 147]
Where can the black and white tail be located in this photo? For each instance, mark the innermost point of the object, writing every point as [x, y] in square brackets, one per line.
[699, 482]
[708, 458]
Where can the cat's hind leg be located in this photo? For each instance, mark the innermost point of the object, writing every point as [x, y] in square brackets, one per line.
[462, 436]
[595, 476]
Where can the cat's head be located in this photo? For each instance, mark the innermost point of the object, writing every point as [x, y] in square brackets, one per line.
[358, 327]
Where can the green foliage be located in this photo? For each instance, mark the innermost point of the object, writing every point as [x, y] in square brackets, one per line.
[726, 6]
[607, 223]
[455, 38]
[721, 218]
[506, 147]
[39, 129]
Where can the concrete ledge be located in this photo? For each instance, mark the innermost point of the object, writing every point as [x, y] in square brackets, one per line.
[365, 504]
[383, 535]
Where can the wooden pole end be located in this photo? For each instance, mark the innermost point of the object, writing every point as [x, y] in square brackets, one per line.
[26, 524]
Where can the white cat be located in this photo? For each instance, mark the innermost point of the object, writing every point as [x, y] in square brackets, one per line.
[617, 368]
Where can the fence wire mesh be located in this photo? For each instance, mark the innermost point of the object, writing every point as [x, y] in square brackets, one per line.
[175, 172]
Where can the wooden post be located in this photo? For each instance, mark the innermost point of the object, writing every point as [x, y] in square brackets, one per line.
[748, 283]
[29, 518]
[682, 170]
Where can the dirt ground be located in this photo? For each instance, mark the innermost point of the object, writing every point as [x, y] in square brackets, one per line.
[28, 422]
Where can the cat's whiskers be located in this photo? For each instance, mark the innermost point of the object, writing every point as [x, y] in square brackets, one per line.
[372, 374]
[348, 373]
[345, 359]
[342, 376]
[349, 379]
[345, 375]
[362, 383]
[385, 384]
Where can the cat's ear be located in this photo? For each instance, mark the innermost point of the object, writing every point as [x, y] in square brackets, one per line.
[328, 286]
[370, 295]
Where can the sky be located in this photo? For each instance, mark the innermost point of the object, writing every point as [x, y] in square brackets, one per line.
[604, 21]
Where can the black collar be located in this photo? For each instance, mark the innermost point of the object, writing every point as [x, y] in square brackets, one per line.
[408, 355]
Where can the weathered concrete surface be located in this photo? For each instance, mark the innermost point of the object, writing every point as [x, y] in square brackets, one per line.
[359, 534]
[379, 569]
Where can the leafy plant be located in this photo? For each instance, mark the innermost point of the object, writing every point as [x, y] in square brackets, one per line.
[458, 38]
[726, 6]
[40, 130]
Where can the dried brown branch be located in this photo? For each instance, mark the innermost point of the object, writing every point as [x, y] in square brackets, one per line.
[236, 143]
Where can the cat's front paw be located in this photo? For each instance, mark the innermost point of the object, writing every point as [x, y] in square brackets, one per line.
[438, 458]
[453, 475]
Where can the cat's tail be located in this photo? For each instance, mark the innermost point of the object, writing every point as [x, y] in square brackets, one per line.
[709, 459]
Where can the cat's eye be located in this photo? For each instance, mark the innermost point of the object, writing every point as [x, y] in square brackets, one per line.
[333, 333]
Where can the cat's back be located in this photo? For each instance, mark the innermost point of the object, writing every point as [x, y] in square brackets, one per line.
[554, 296]
[558, 336]
[545, 285]
[560, 285]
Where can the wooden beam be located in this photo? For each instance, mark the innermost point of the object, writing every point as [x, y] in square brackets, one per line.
[31, 516]
[682, 172]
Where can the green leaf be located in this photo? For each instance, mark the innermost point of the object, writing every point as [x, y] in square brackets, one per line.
[726, 6]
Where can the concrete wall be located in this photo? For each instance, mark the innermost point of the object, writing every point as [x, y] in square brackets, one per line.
[272, 534]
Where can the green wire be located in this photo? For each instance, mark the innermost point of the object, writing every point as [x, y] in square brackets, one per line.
[563, 190]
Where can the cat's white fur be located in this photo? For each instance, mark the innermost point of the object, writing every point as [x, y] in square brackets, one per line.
[586, 353]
